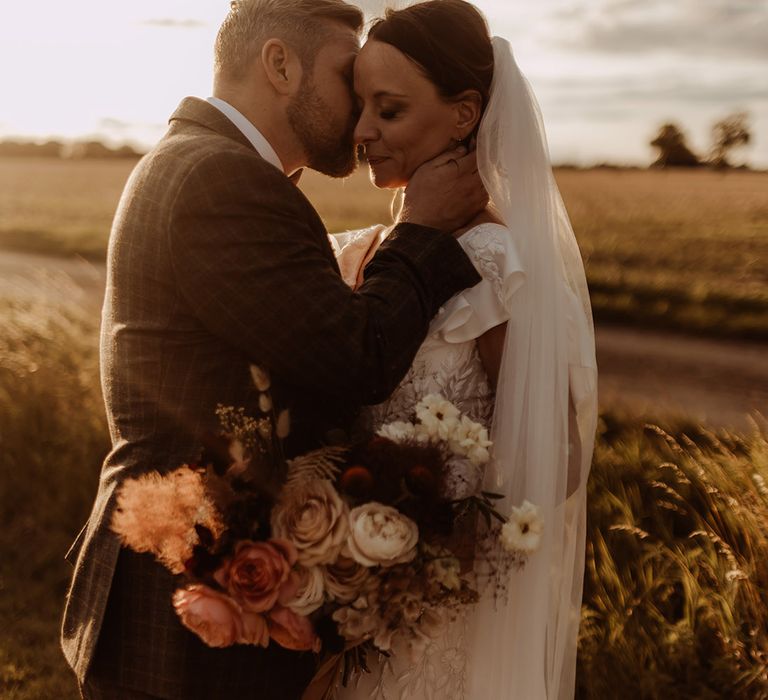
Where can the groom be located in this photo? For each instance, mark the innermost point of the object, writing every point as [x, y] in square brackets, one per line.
[217, 261]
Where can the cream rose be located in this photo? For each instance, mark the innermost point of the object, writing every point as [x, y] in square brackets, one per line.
[381, 536]
[312, 516]
[345, 579]
[311, 592]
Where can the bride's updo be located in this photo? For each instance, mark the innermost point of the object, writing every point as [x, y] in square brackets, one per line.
[448, 39]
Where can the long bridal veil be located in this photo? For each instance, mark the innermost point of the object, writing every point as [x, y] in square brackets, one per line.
[523, 644]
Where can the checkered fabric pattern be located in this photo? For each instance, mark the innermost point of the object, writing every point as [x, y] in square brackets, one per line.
[216, 261]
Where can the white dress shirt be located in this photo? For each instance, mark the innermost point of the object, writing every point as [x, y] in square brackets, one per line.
[249, 131]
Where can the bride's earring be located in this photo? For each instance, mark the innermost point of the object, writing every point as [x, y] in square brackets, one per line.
[461, 140]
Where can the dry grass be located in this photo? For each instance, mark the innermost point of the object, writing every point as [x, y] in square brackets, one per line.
[53, 438]
[676, 588]
[675, 249]
[59, 207]
[676, 584]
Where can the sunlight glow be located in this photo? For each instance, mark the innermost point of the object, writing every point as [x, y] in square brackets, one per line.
[116, 71]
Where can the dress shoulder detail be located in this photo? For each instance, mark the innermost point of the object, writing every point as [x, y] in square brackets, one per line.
[469, 314]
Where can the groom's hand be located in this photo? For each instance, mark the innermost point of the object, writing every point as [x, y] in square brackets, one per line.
[445, 192]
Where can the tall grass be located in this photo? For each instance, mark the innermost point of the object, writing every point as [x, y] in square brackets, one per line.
[676, 595]
[676, 592]
[52, 439]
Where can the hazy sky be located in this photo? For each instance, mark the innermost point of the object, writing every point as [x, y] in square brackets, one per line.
[607, 72]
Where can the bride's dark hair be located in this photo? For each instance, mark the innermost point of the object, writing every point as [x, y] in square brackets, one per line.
[447, 39]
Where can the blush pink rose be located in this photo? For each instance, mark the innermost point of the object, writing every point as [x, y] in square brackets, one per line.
[255, 630]
[292, 631]
[259, 574]
[217, 619]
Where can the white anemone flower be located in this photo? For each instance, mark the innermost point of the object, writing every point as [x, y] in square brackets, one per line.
[522, 532]
[439, 416]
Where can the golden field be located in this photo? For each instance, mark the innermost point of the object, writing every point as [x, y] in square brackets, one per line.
[675, 249]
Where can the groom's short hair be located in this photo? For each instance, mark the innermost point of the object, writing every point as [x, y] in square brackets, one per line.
[302, 24]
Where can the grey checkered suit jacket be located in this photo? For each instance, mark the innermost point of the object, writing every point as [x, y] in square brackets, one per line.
[216, 260]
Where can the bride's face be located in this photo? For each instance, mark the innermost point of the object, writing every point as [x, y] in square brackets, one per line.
[403, 121]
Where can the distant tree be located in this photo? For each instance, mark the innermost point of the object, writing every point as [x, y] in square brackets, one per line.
[673, 151]
[56, 149]
[127, 151]
[26, 149]
[96, 149]
[50, 149]
[727, 134]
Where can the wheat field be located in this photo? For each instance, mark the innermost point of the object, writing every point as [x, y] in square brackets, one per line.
[685, 250]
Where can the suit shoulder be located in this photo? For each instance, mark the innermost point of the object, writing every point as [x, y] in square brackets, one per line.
[204, 153]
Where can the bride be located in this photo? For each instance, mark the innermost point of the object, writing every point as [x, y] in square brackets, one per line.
[515, 352]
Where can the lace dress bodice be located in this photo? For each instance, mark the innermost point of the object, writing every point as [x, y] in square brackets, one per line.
[447, 363]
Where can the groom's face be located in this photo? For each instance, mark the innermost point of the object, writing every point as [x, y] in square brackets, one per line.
[322, 114]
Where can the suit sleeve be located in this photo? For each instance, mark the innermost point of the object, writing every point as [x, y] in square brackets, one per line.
[254, 268]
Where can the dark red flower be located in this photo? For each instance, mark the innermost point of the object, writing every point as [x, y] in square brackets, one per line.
[421, 481]
[357, 481]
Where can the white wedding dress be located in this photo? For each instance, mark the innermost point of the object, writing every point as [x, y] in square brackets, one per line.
[447, 363]
[521, 645]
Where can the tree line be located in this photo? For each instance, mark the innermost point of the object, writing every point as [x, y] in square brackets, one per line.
[728, 134]
[58, 149]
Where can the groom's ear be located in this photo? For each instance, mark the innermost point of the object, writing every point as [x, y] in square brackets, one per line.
[282, 66]
[468, 108]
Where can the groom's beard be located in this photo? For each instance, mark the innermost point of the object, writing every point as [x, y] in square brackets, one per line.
[328, 150]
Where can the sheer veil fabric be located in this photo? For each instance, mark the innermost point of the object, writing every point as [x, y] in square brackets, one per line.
[522, 646]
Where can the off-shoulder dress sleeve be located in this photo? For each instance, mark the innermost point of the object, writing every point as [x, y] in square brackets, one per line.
[474, 311]
[355, 249]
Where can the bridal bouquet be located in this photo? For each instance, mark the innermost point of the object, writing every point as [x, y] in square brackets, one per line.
[345, 550]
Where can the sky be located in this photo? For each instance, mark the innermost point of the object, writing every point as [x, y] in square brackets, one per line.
[607, 73]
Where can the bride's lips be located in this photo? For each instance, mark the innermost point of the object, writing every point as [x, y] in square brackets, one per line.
[375, 160]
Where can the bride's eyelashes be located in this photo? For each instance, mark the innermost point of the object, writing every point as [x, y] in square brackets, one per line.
[390, 112]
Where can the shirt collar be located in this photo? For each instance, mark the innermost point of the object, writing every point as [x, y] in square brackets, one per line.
[249, 131]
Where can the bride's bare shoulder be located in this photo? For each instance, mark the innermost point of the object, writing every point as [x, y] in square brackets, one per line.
[487, 216]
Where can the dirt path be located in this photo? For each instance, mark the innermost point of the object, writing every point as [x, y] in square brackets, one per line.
[717, 382]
